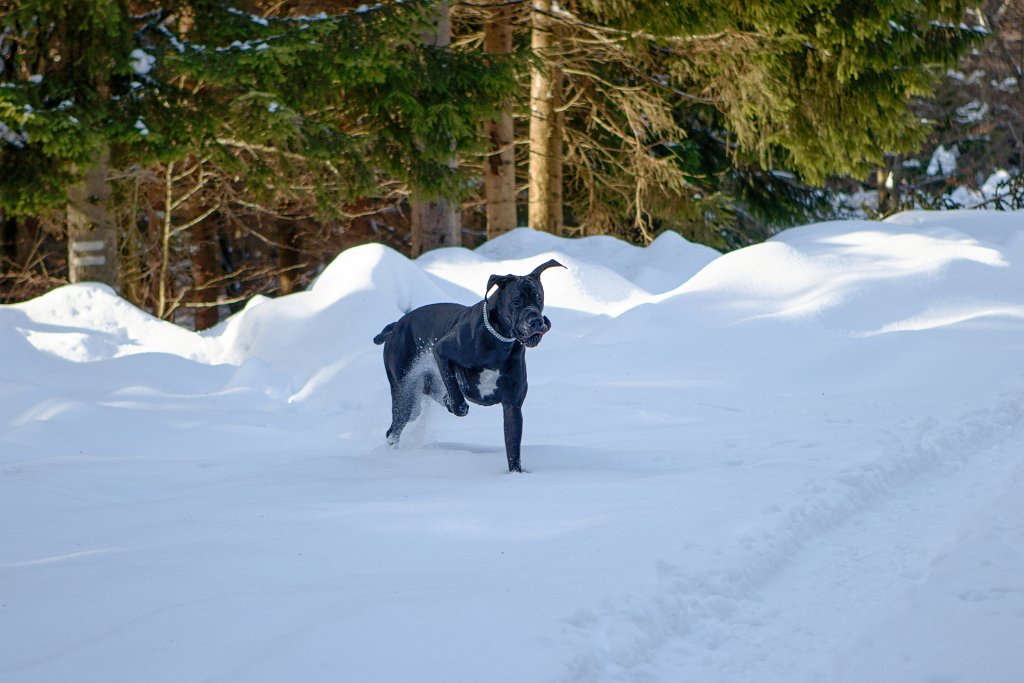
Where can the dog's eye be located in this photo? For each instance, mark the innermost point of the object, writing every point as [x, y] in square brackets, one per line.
[517, 301]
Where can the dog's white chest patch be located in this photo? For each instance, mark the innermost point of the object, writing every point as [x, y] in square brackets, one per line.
[488, 382]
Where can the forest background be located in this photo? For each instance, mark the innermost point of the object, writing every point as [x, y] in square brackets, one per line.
[194, 154]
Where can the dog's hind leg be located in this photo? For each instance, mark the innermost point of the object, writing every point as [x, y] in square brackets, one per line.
[403, 403]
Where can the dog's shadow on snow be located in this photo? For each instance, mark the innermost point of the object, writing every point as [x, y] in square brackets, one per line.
[478, 448]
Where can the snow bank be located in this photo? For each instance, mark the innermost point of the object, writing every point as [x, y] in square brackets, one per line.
[89, 322]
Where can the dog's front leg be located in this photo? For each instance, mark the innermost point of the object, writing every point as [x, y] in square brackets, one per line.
[513, 434]
[454, 400]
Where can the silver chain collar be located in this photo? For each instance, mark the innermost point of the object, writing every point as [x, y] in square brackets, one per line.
[487, 324]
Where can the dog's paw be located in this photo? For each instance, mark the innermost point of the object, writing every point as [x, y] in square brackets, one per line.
[460, 410]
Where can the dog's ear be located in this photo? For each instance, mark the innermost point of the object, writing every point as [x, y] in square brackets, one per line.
[499, 280]
[544, 266]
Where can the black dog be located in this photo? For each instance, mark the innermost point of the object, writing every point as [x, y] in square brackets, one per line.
[453, 353]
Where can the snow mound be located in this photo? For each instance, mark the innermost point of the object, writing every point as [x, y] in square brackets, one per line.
[89, 322]
[852, 277]
[603, 275]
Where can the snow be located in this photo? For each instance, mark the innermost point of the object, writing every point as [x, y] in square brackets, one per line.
[255, 18]
[996, 185]
[943, 161]
[1006, 85]
[18, 139]
[796, 462]
[972, 112]
[142, 62]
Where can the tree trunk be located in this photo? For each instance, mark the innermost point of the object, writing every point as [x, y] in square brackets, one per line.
[545, 189]
[555, 221]
[888, 189]
[500, 169]
[205, 272]
[9, 266]
[163, 278]
[883, 193]
[436, 222]
[8, 244]
[92, 232]
[291, 242]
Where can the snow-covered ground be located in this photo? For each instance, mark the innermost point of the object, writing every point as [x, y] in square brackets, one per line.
[800, 462]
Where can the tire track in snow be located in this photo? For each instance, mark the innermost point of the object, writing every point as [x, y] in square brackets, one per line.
[620, 640]
[888, 595]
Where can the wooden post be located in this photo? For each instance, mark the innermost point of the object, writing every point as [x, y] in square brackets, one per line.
[92, 232]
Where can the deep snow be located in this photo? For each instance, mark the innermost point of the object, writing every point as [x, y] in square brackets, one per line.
[797, 462]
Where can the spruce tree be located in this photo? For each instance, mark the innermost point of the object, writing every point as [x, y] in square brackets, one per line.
[674, 111]
[65, 69]
[278, 107]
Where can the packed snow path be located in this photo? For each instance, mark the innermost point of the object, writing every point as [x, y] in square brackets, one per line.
[798, 462]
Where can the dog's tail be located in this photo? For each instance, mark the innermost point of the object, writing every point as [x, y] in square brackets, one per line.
[384, 334]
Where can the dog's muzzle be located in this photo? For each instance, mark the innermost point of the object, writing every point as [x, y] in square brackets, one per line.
[532, 329]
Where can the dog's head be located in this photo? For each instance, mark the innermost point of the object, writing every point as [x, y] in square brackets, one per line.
[520, 304]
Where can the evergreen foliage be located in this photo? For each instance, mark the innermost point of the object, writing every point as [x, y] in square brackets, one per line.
[769, 100]
[65, 69]
[352, 100]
